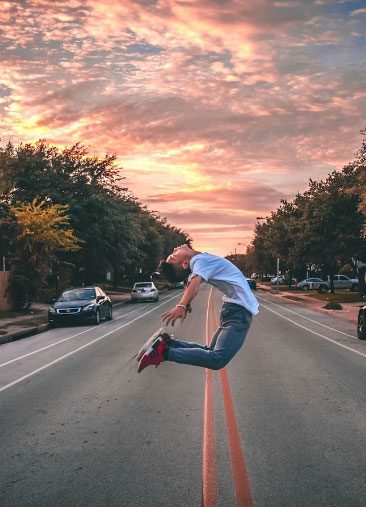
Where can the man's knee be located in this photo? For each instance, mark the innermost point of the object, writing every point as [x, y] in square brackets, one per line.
[219, 362]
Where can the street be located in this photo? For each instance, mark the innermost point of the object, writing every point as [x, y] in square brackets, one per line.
[79, 426]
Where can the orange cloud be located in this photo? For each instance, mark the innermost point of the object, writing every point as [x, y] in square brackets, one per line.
[229, 105]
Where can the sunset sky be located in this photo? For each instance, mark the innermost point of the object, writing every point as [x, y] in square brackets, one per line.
[216, 109]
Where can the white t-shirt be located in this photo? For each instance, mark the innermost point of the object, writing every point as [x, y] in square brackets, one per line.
[226, 277]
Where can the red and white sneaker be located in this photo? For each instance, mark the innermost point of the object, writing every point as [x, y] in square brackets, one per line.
[146, 348]
[154, 355]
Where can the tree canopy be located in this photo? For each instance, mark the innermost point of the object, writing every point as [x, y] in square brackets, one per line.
[319, 231]
[113, 230]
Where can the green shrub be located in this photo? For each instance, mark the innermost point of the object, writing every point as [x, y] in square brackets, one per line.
[333, 306]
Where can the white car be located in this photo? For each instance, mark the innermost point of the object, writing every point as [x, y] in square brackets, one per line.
[283, 279]
[143, 291]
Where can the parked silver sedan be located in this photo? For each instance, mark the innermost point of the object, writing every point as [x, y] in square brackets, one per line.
[313, 283]
[143, 291]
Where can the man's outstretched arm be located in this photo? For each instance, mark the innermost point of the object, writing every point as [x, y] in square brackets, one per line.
[180, 310]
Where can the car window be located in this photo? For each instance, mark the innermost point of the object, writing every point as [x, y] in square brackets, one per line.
[342, 277]
[78, 295]
[143, 284]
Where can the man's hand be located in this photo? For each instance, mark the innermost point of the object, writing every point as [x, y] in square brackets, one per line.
[178, 312]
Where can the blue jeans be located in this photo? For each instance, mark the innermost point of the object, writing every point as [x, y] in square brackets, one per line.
[235, 322]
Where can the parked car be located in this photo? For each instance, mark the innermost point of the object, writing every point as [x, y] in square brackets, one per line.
[143, 291]
[176, 285]
[252, 283]
[313, 283]
[283, 279]
[344, 282]
[80, 304]
[361, 323]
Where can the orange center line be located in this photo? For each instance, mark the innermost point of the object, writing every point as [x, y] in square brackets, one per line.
[241, 479]
[209, 472]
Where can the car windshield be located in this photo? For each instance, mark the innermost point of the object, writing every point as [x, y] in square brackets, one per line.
[139, 285]
[78, 295]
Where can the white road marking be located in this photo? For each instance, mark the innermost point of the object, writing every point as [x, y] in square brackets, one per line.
[65, 339]
[78, 334]
[317, 334]
[307, 318]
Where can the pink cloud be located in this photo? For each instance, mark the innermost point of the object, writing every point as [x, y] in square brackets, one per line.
[224, 103]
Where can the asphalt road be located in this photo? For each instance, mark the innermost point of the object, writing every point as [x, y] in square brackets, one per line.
[79, 426]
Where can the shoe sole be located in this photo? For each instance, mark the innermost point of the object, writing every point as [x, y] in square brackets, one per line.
[149, 345]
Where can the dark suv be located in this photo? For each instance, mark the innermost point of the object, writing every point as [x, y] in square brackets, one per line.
[80, 304]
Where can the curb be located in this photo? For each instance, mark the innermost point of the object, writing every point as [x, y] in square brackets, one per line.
[18, 335]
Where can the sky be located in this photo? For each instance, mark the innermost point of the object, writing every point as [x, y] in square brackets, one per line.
[216, 109]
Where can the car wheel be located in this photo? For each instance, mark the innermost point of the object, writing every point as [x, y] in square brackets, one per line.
[354, 288]
[322, 289]
[97, 318]
[305, 288]
[361, 325]
[361, 331]
[110, 313]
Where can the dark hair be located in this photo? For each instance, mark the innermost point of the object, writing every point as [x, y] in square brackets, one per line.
[173, 273]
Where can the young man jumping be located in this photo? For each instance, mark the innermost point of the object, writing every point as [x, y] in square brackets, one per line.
[235, 318]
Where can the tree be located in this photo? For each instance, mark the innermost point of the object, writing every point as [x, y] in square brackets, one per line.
[359, 165]
[322, 227]
[263, 260]
[118, 233]
[42, 232]
[331, 223]
[359, 257]
[8, 230]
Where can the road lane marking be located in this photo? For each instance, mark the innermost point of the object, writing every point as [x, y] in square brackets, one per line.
[307, 318]
[209, 472]
[314, 332]
[240, 474]
[71, 337]
[55, 361]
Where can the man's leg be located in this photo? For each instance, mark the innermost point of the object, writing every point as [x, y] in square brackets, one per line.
[226, 342]
[180, 344]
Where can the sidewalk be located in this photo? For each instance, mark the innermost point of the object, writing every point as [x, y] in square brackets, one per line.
[16, 325]
[349, 312]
